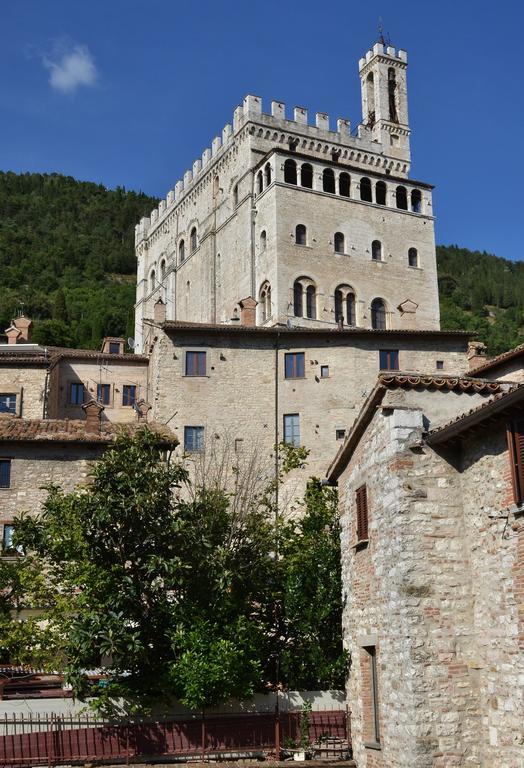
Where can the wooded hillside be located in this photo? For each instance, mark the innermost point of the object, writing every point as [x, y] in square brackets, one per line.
[67, 257]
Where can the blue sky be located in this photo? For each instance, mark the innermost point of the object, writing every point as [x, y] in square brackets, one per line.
[129, 92]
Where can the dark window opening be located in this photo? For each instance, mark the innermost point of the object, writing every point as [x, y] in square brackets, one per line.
[440, 365]
[340, 434]
[8, 403]
[350, 309]
[181, 251]
[193, 439]
[416, 201]
[388, 360]
[76, 393]
[365, 190]
[361, 499]
[402, 198]
[290, 172]
[376, 250]
[195, 363]
[295, 365]
[300, 234]
[324, 371]
[378, 315]
[311, 309]
[370, 91]
[306, 175]
[413, 257]
[129, 395]
[5, 473]
[103, 393]
[392, 95]
[380, 193]
[298, 308]
[267, 174]
[339, 242]
[328, 180]
[260, 182]
[344, 184]
[235, 195]
[193, 239]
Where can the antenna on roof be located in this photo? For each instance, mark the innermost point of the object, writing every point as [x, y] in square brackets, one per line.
[131, 343]
[385, 40]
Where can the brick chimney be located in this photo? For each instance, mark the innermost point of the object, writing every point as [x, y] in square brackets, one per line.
[159, 312]
[12, 334]
[143, 409]
[93, 412]
[25, 326]
[476, 354]
[248, 315]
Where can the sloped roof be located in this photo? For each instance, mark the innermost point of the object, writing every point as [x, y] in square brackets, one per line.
[33, 354]
[13, 429]
[511, 354]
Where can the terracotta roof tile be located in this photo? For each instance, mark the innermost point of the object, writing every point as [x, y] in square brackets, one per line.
[13, 429]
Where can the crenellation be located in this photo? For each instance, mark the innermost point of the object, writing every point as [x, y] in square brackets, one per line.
[238, 115]
[215, 145]
[197, 167]
[161, 207]
[227, 133]
[300, 115]
[322, 121]
[188, 177]
[179, 188]
[206, 157]
[170, 199]
[343, 127]
[252, 105]
[278, 110]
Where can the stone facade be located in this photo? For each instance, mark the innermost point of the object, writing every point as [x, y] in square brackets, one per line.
[435, 590]
[229, 228]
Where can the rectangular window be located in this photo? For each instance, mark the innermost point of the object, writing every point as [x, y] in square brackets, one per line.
[361, 495]
[114, 347]
[129, 394]
[388, 359]
[7, 403]
[370, 681]
[103, 393]
[440, 365]
[5, 473]
[195, 363]
[292, 429]
[76, 393]
[340, 434]
[324, 371]
[515, 432]
[295, 365]
[193, 439]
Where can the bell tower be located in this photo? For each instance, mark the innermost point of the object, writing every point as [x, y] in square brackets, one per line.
[384, 98]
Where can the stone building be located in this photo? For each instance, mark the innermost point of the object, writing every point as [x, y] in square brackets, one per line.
[318, 226]
[431, 482]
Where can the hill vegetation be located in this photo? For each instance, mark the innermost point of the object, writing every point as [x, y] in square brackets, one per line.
[67, 257]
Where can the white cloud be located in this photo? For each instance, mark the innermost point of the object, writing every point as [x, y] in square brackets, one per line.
[71, 69]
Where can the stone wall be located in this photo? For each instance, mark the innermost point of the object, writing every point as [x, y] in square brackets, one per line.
[28, 382]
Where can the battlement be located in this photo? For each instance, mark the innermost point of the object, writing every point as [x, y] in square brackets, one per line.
[383, 50]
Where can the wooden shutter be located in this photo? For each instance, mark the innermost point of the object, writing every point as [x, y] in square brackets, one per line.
[362, 513]
[516, 451]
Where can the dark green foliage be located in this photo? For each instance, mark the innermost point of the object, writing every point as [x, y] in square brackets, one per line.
[67, 256]
[483, 293]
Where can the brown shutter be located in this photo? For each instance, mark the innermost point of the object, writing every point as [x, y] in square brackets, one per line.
[516, 449]
[362, 513]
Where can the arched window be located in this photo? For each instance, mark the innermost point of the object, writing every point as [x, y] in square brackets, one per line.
[267, 174]
[290, 172]
[344, 184]
[402, 198]
[378, 314]
[413, 257]
[311, 302]
[392, 95]
[193, 239]
[181, 251]
[152, 280]
[304, 298]
[376, 250]
[235, 195]
[365, 190]
[345, 305]
[370, 94]
[264, 302]
[306, 175]
[338, 241]
[162, 270]
[380, 193]
[263, 240]
[300, 234]
[260, 182]
[416, 201]
[328, 180]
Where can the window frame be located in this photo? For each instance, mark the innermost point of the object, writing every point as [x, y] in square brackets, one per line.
[197, 445]
[324, 367]
[73, 385]
[126, 388]
[292, 429]
[515, 439]
[362, 516]
[105, 388]
[9, 464]
[10, 395]
[197, 355]
[390, 357]
[303, 235]
[297, 368]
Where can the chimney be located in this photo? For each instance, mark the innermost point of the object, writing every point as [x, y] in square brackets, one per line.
[143, 409]
[12, 334]
[159, 312]
[248, 311]
[476, 354]
[93, 412]
[25, 326]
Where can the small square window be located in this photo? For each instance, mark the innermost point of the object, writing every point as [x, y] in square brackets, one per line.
[129, 394]
[193, 439]
[388, 359]
[295, 365]
[324, 371]
[8, 403]
[239, 444]
[195, 363]
[440, 365]
[76, 393]
[5, 473]
[114, 347]
[103, 393]
[340, 434]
